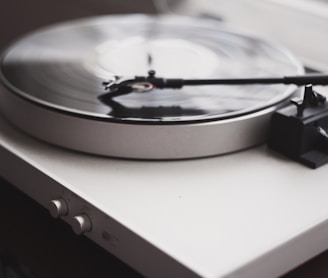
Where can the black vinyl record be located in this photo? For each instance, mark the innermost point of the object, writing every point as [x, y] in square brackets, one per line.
[63, 67]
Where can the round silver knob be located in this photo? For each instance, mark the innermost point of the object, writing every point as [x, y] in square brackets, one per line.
[81, 224]
[58, 208]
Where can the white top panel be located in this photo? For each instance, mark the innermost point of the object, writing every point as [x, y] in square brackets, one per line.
[215, 215]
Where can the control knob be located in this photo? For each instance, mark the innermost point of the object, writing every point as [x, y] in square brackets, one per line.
[81, 224]
[58, 208]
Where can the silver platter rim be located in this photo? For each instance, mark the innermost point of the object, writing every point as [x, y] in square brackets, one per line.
[145, 142]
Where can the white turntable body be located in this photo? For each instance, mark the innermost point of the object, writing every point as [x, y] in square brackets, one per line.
[251, 214]
[247, 214]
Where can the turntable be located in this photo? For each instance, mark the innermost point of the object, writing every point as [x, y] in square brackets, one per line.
[197, 193]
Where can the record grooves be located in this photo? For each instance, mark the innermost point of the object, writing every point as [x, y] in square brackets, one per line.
[55, 76]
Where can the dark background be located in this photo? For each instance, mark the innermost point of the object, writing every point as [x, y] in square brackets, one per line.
[31, 242]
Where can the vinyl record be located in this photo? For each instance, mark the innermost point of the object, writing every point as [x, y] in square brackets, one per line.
[58, 73]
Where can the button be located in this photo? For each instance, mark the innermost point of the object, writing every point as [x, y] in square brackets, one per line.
[81, 224]
[58, 208]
